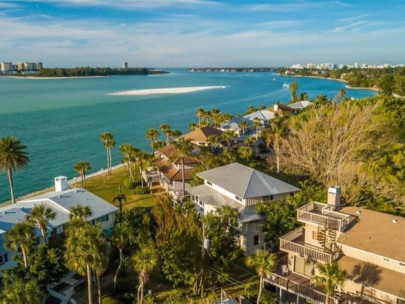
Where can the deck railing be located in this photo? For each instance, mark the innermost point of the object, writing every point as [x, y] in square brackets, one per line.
[304, 291]
[322, 214]
[287, 244]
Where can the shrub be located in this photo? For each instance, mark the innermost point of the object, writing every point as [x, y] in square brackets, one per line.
[131, 184]
[140, 190]
[109, 300]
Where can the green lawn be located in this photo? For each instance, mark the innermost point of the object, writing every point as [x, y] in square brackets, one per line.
[106, 187]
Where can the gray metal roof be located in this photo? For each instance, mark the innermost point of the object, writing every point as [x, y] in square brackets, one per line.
[59, 202]
[209, 196]
[264, 115]
[300, 104]
[246, 182]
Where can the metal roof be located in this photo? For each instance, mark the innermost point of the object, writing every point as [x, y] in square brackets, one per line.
[246, 182]
[300, 104]
[264, 115]
[59, 202]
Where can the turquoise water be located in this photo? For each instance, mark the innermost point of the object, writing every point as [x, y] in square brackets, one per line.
[61, 120]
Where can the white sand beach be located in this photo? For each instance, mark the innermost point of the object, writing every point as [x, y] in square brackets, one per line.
[164, 91]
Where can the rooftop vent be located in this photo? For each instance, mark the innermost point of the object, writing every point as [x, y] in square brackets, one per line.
[394, 221]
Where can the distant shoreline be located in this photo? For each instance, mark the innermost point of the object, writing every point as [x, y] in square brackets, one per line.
[340, 80]
[48, 78]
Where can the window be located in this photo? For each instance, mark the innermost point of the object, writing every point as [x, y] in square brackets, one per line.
[3, 258]
[268, 198]
[53, 232]
[315, 235]
[255, 240]
[238, 198]
[103, 218]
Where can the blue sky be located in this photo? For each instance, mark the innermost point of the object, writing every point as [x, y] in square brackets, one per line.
[195, 33]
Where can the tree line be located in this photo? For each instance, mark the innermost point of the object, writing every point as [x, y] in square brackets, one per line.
[98, 71]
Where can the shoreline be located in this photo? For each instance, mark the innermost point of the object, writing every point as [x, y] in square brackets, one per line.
[52, 78]
[340, 80]
[159, 91]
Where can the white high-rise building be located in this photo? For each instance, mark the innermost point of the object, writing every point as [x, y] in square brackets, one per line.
[125, 65]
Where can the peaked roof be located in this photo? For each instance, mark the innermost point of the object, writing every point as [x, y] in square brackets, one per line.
[282, 108]
[262, 115]
[246, 182]
[300, 104]
[202, 134]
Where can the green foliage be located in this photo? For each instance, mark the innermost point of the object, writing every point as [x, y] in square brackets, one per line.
[19, 291]
[281, 215]
[386, 84]
[330, 276]
[141, 190]
[109, 300]
[89, 71]
[46, 266]
[130, 185]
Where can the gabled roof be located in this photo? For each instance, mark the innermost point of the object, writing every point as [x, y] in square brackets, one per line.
[299, 105]
[202, 134]
[376, 232]
[264, 115]
[172, 154]
[233, 124]
[282, 108]
[246, 182]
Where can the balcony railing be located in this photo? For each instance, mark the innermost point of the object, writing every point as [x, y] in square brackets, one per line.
[322, 214]
[290, 243]
[302, 290]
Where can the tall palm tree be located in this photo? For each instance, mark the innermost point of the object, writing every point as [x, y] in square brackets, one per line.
[200, 114]
[41, 215]
[145, 260]
[184, 147]
[123, 236]
[129, 152]
[21, 236]
[85, 247]
[12, 157]
[152, 135]
[330, 276]
[257, 124]
[293, 90]
[82, 167]
[264, 262]
[246, 153]
[228, 136]
[243, 125]
[120, 198]
[108, 140]
[215, 115]
[165, 128]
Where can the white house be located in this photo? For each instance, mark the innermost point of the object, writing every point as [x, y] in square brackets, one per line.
[60, 201]
[242, 188]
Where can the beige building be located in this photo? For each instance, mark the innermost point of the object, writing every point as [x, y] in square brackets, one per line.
[368, 245]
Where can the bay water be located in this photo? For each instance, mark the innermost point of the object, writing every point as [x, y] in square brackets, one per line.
[61, 120]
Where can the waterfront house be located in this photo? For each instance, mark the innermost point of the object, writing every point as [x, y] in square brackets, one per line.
[263, 115]
[200, 136]
[167, 171]
[60, 201]
[242, 188]
[234, 125]
[300, 105]
[281, 109]
[368, 245]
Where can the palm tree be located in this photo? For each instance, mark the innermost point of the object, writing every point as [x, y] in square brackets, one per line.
[152, 135]
[330, 276]
[173, 134]
[145, 260]
[293, 90]
[129, 152]
[85, 247]
[41, 215]
[192, 126]
[243, 125]
[246, 153]
[215, 115]
[21, 235]
[264, 262]
[228, 136]
[184, 148]
[120, 198]
[165, 128]
[108, 140]
[82, 167]
[12, 157]
[257, 123]
[123, 235]
[200, 114]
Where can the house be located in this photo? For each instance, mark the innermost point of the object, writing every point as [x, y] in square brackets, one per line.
[368, 245]
[281, 109]
[242, 188]
[60, 201]
[300, 105]
[168, 171]
[263, 115]
[199, 136]
[234, 125]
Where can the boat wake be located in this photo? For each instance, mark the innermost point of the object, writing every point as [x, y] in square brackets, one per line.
[164, 91]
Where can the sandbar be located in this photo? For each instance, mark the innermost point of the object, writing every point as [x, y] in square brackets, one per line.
[165, 91]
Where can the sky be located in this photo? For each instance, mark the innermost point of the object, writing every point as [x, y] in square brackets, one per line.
[202, 33]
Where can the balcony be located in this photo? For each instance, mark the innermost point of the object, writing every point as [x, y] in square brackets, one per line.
[323, 214]
[294, 242]
[299, 285]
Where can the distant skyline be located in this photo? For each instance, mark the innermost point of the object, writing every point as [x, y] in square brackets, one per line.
[201, 33]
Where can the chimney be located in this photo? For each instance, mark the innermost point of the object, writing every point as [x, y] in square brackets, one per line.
[334, 194]
[276, 107]
[61, 183]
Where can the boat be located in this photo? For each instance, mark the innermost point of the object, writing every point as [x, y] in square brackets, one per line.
[286, 85]
[274, 78]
